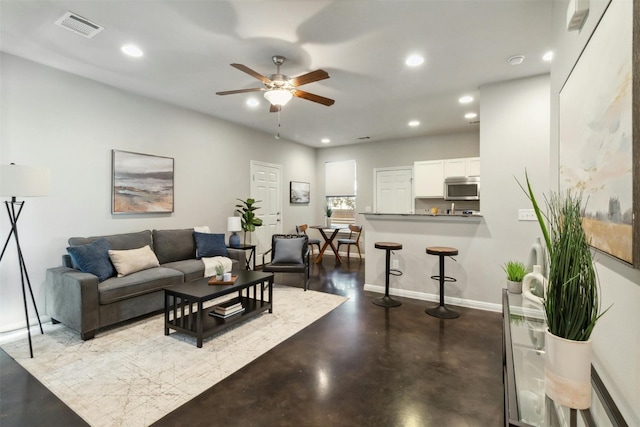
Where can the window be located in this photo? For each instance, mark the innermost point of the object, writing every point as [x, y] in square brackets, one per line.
[340, 190]
[344, 209]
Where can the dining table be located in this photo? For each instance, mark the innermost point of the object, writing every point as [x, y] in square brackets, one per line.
[329, 233]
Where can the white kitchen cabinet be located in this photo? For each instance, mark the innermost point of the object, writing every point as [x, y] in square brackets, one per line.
[428, 178]
[465, 166]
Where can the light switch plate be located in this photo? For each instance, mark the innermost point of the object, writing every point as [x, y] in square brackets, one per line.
[527, 215]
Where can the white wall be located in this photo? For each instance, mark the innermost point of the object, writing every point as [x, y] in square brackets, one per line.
[70, 125]
[616, 338]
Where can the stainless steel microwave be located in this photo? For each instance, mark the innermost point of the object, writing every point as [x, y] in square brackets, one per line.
[462, 188]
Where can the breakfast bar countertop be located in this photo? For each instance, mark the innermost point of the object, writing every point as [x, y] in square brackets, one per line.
[375, 215]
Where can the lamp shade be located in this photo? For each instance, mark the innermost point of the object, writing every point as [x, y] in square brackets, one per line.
[23, 181]
[234, 223]
[278, 96]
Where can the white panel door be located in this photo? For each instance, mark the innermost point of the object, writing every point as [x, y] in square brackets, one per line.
[266, 186]
[394, 190]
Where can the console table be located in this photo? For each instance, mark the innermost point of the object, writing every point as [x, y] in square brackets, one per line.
[525, 402]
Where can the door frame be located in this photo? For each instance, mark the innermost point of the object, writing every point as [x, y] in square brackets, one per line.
[252, 169]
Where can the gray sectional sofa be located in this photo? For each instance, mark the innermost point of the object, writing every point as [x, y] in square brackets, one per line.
[85, 304]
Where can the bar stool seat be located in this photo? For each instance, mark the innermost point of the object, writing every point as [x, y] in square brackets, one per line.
[386, 300]
[441, 310]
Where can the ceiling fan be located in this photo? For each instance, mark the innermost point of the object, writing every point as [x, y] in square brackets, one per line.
[279, 89]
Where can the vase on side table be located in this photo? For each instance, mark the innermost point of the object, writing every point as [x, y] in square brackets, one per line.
[327, 221]
[567, 371]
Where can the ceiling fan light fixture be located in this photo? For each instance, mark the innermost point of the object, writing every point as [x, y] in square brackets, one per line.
[278, 97]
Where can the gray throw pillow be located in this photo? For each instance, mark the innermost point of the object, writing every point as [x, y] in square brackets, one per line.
[289, 250]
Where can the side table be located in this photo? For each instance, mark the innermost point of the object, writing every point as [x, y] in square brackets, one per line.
[252, 254]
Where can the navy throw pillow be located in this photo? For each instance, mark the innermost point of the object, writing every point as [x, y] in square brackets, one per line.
[210, 244]
[93, 258]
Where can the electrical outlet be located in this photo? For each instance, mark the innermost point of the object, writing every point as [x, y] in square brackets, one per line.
[395, 264]
[527, 215]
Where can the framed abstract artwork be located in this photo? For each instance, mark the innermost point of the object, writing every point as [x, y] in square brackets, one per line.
[299, 192]
[599, 141]
[142, 183]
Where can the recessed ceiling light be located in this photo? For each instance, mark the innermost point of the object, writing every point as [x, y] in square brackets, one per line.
[548, 56]
[252, 102]
[465, 99]
[325, 140]
[470, 116]
[414, 123]
[516, 60]
[414, 60]
[132, 50]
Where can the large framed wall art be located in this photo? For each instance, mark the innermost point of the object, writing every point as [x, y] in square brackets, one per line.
[142, 183]
[599, 136]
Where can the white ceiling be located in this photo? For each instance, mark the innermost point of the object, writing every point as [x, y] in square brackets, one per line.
[362, 44]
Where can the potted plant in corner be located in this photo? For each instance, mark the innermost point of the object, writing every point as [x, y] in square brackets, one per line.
[571, 303]
[328, 211]
[249, 220]
[515, 271]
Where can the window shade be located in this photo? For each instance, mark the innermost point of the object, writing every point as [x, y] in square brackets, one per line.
[340, 178]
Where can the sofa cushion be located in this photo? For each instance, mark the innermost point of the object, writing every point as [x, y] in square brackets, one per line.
[288, 250]
[191, 268]
[119, 241]
[210, 244]
[174, 245]
[140, 283]
[93, 258]
[133, 260]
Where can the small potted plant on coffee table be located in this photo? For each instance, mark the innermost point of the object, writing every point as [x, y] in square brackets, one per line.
[515, 273]
[219, 272]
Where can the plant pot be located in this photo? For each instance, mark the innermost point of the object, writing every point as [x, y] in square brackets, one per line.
[514, 287]
[219, 277]
[567, 371]
[327, 221]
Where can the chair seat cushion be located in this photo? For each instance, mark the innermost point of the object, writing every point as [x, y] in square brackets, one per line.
[347, 241]
[314, 241]
[284, 268]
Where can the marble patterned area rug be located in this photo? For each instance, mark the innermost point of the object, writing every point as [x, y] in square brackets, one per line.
[133, 375]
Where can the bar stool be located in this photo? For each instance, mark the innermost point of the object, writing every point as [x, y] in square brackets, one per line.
[386, 300]
[442, 311]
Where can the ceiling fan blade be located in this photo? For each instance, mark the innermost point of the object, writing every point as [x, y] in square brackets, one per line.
[274, 108]
[310, 77]
[315, 98]
[231, 92]
[252, 73]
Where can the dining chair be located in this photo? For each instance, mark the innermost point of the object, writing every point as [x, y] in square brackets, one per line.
[303, 229]
[354, 239]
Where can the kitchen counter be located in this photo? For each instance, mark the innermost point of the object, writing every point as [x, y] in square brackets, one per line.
[371, 215]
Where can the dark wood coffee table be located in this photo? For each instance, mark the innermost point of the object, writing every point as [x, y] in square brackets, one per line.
[184, 311]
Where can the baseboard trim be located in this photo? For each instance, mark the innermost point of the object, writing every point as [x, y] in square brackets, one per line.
[461, 302]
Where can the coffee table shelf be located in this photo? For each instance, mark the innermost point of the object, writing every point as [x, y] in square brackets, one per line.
[184, 311]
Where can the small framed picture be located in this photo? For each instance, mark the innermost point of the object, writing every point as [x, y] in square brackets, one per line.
[299, 192]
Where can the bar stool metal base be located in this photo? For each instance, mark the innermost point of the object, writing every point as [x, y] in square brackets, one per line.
[386, 301]
[442, 312]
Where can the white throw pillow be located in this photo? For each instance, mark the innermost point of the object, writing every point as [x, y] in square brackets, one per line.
[132, 260]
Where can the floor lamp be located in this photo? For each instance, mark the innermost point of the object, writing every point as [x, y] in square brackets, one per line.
[22, 181]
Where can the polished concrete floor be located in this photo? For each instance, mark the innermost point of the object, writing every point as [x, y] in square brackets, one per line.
[361, 365]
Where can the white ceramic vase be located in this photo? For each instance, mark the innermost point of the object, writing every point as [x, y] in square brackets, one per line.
[327, 221]
[567, 371]
[534, 285]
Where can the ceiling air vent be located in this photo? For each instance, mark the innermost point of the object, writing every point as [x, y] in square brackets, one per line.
[79, 25]
[363, 138]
